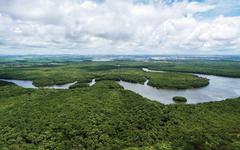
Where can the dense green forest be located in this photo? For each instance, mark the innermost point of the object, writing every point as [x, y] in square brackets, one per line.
[44, 75]
[105, 116]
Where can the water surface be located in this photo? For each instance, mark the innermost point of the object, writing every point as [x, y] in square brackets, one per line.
[218, 89]
[21, 83]
[64, 86]
[92, 82]
[29, 84]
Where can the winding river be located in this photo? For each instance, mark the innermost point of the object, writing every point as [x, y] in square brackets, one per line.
[29, 84]
[219, 89]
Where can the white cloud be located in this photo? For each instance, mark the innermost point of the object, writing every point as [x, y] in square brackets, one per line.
[196, 7]
[85, 27]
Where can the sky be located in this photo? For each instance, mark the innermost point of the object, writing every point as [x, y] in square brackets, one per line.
[198, 27]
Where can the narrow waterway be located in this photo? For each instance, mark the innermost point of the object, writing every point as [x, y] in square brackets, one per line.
[92, 82]
[29, 84]
[219, 89]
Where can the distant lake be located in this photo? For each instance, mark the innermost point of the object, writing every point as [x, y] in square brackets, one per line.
[219, 89]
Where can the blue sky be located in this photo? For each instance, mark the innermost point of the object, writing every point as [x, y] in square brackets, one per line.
[120, 27]
[223, 7]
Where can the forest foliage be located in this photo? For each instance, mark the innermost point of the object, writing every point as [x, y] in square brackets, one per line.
[105, 116]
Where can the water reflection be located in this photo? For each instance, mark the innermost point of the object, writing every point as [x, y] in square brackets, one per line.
[65, 86]
[92, 82]
[22, 83]
[29, 84]
[219, 88]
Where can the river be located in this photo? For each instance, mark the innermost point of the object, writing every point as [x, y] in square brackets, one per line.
[218, 89]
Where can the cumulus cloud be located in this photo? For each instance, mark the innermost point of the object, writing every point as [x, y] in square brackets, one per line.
[115, 27]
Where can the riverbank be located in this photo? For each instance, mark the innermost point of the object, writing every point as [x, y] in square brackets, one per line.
[113, 117]
[106, 116]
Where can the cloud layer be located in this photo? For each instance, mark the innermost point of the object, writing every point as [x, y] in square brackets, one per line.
[117, 27]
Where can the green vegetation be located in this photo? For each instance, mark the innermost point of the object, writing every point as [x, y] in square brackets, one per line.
[220, 68]
[170, 80]
[179, 99]
[84, 72]
[79, 85]
[105, 116]
[3, 83]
